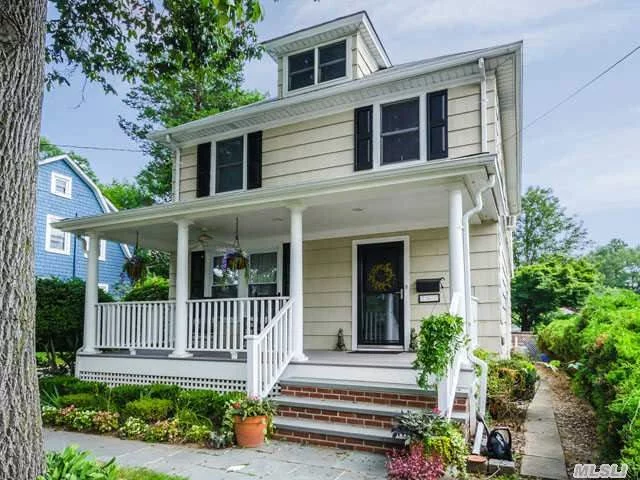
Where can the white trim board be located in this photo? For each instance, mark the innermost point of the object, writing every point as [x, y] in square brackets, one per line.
[405, 239]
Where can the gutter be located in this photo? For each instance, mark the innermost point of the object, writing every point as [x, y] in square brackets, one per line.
[176, 177]
[483, 105]
[484, 368]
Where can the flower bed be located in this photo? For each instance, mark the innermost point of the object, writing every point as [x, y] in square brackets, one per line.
[153, 413]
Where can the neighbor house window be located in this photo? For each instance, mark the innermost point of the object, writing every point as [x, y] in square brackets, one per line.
[400, 131]
[103, 249]
[263, 274]
[318, 65]
[225, 282]
[56, 241]
[229, 164]
[61, 185]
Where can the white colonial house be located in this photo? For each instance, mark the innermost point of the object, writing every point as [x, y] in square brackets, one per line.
[368, 196]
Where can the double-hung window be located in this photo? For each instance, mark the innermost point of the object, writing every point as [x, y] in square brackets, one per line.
[103, 249]
[225, 282]
[263, 274]
[57, 241]
[400, 131]
[317, 65]
[61, 185]
[229, 164]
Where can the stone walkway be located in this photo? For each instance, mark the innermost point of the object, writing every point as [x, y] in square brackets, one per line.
[276, 460]
[543, 455]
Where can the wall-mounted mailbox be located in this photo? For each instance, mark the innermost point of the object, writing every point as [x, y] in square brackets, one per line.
[429, 285]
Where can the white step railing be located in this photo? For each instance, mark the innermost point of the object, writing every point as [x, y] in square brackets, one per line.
[143, 325]
[449, 383]
[220, 325]
[269, 353]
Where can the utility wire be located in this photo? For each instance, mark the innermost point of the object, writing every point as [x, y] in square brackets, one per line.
[576, 92]
[95, 147]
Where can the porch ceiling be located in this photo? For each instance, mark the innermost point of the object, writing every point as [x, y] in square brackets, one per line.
[382, 207]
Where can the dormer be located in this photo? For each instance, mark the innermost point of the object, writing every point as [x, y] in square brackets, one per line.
[338, 51]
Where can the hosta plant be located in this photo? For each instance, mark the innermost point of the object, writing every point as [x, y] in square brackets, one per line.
[72, 464]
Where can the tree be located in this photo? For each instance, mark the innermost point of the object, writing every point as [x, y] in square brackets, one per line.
[544, 228]
[126, 195]
[619, 264]
[105, 39]
[541, 288]
[48, 150]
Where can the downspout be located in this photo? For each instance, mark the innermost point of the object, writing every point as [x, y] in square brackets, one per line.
[483, 106]
[176, 176]
[484, 368]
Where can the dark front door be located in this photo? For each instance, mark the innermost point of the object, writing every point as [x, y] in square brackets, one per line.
[197, 275]
[381, 294]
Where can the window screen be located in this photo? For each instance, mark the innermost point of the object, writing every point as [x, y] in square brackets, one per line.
[332, 61]
[301, 70]
[229, 160]
[400, 131]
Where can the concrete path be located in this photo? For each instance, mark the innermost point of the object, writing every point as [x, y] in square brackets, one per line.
[276, 460]
[543, 455]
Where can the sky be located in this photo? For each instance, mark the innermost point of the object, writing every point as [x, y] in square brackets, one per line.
[587, 150]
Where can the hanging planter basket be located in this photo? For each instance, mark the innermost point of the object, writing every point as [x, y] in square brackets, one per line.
[236, 260]
[136, 265]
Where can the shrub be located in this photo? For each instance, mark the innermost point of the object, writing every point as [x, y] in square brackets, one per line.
[439, 338]
[74, 464]
[80, 420]
[49, 415]
[60, 316]
[413, 464]
[150, 289]
[167, 392]
[149, 409]
[200, 402]
[82, 401]
[123, 394]
[560, 338]
[67, 384]
[105, 422]
[197, 434]
[134, 428]
[163, 431]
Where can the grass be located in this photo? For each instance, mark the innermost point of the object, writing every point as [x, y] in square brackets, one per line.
[145, 474]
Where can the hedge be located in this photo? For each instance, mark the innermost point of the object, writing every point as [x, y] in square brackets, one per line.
[150, 289]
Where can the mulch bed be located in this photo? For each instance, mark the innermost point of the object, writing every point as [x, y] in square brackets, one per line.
[575, 418]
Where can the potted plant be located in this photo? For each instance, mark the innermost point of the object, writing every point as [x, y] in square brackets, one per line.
[136, 265]
[252, 420]
[235, 259]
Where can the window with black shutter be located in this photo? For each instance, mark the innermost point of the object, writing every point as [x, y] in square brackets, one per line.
[437, 140]
[229, 164]
[203, 170]
[254, 160]
[363, 151]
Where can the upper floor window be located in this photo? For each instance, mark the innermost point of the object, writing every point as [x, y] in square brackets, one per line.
[317, 65]
[229, 164]
[400, 131]
[56, 241]
[61, 185]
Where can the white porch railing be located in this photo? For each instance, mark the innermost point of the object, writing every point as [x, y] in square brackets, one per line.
[269, 352]
[220, 325]
[449, 383]
[143, 325]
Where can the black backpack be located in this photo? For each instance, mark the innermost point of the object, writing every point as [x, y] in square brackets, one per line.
[498, 442]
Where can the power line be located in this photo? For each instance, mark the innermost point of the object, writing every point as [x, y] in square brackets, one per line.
[576, 92]
[95, 147]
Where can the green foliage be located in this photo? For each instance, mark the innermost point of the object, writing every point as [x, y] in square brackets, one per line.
[82, 400]
[126, 195]
[439, 338]
[60, 316]
[49, 415]
[509, 381]
[438, 436]
[67, 384]
[619, 264]
[123, 394]
[145, 474]
[164, 391]
[197, 434]
[149, 409]
[72, 464]
[134, 428]
[150, 289]
[541, 288]
[105, 422]
[164, 431]
[206, 403]
[560, 338]
[545, 229]
[245, 407]
[607, 337]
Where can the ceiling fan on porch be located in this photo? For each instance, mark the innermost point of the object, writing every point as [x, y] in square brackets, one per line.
[203, 240]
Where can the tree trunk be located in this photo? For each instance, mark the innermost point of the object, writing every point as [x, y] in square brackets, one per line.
[22, 31]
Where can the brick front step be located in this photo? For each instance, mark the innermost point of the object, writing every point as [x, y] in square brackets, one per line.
[348, 437]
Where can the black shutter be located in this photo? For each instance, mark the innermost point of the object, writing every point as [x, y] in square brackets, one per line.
[203, 170]
[286, 266]
[363, 148]
[197, 275]
[437, 135]
[254, 160]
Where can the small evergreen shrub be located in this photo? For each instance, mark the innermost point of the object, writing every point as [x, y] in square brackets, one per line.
[206, 403]
[82, 401]
[123, 394]
[167, 392]
[149, 409]
[150, 289]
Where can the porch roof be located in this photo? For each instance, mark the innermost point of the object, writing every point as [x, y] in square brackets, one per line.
[405, 198]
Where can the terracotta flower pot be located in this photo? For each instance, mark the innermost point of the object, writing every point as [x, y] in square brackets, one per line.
[251, 431]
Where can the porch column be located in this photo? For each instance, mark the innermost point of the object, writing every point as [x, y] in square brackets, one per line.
[182, 290]
[91, 295]
[456, 252]
[295, 282]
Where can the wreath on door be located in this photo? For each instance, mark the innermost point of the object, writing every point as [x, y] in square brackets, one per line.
[381, 277]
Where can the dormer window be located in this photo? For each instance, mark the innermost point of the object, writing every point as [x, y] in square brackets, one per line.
[317, 65]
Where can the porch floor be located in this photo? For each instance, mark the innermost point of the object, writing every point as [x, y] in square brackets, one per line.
[316, 357]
